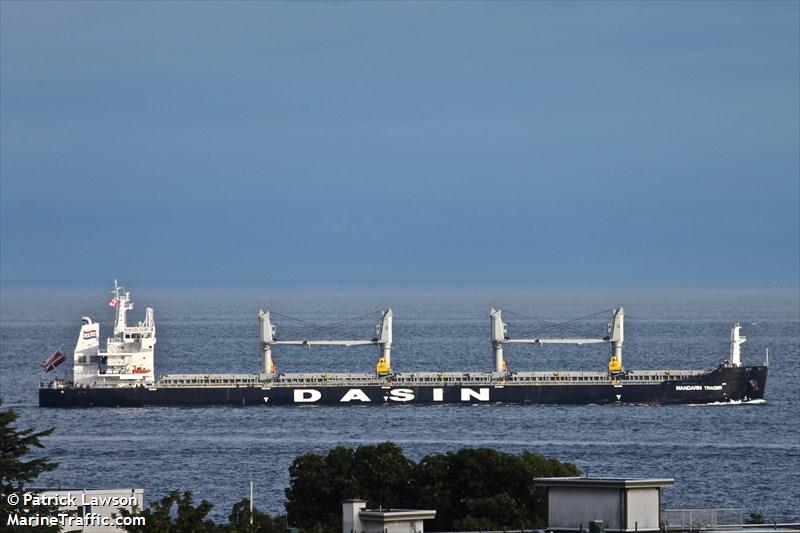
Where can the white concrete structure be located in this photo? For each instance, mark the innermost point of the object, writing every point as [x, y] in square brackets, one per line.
[622, 504]
[96, 506]
[356, 518]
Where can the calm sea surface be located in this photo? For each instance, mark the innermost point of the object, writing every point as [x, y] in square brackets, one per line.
[745, 456]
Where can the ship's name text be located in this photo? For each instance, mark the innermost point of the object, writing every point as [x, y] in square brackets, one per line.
[698, 387]
[393, 395]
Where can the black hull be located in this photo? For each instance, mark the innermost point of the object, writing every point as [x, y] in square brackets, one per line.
[724, 384]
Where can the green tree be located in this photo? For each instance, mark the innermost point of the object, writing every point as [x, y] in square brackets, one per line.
[174, 513]
[381, 474]
[16, 472]
[384, 474]
[309, 495]
[239, 520]
[469, 489]
[486, 489]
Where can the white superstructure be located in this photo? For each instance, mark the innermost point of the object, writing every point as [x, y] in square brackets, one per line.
[128, 358]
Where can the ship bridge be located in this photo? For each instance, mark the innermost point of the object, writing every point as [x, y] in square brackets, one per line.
[128, 359]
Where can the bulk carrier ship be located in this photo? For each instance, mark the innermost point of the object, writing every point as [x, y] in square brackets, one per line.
[123, 375]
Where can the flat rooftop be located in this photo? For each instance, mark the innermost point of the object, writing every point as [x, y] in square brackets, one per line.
[603, 482]
[396, 515]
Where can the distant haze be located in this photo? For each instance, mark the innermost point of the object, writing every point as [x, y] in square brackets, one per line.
[486, 142]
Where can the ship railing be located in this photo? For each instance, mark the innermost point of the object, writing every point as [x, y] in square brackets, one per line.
[419, 379]
[668, 372]
[114, 372]
[57, 383]
[700, 519]
[443, 377]
[189, 380]
[647, 376]
[111, 363]
[139, 329]
[124, 353]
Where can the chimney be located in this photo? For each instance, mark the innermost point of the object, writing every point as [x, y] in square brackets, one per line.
[351, 523]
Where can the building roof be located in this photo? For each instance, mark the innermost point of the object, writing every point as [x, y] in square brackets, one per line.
[603, 482]
[392, 515]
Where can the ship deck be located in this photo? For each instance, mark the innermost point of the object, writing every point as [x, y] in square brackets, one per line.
[423, 379]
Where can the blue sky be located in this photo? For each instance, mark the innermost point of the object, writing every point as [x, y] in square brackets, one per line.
[652, 142]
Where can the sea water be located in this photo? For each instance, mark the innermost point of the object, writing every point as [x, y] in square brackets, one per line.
[745, 456]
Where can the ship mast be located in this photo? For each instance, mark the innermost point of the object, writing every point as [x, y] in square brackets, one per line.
[122, 301]
[615, 336]
[736, 341]
[383, 339]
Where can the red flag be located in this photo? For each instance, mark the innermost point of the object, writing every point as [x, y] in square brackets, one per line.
[113, 302]
[53, 361]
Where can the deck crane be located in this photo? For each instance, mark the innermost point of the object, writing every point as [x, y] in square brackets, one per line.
[383, 339]
[614, 337]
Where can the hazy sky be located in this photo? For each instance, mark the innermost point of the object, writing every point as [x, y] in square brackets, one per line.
[488, 142]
